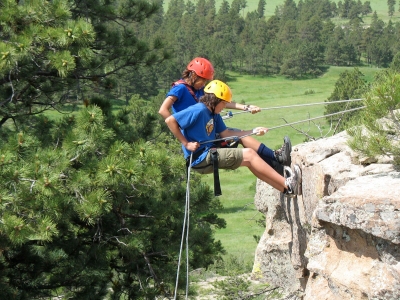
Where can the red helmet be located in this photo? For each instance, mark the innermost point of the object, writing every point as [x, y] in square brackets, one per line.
[202, 67]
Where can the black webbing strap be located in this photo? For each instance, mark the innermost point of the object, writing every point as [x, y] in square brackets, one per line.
[214, 159]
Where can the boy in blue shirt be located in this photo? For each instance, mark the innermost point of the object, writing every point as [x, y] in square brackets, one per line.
[196, 126]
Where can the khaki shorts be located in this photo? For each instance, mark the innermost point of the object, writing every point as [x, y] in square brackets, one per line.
[228, 158]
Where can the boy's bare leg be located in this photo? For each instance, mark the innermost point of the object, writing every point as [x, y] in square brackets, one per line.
[250, 142]
[262, 170]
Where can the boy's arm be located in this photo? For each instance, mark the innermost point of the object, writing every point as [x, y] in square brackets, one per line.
[174, 128]
[165, 107]
[257, 131]
[251, 108]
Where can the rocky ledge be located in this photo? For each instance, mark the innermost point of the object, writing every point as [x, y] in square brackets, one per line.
[341, 238]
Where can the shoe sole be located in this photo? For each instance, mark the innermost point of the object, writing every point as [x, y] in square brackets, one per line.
[287, 172]
[287, 159]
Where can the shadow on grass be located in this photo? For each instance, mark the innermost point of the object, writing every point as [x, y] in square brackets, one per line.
[234, 209]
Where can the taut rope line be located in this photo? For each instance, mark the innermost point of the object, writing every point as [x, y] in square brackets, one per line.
[185, 229]
[230, 114]
[236, 138]
[310, 119]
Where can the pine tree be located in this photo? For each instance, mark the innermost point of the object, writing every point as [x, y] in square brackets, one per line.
[90, 210]
[395, 64]
[366, 8]
[380, 130]
[391, 7]
[261, 8]
[56, 51]
[350, 85]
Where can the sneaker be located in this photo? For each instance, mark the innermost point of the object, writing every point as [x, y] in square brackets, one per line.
[293, 182]
[287, 172]
[282, 155]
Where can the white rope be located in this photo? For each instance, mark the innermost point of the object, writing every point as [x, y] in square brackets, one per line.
[290, 106]
[185, 229]
[235, 137]
[310, 119]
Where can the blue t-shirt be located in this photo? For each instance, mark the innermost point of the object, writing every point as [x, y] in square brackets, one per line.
[199, 124]
[185, 98]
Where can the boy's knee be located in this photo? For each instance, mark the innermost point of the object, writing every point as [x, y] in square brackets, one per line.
[249, 153]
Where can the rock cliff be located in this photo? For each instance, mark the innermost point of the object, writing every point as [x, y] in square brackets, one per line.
[341, 238]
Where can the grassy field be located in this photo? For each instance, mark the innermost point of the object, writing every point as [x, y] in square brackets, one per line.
[380, 6]
[238, 187]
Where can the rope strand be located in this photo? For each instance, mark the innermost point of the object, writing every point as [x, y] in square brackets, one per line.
[185, 229]
[310, 119]
[235, 138]
[230, 114]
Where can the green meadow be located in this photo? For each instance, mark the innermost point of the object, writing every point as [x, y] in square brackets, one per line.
[238, 187]
[380, 6]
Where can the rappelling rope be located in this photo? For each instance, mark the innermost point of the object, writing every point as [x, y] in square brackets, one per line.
[230, 114]
[236, 138]
[185, 229]
[315, 118]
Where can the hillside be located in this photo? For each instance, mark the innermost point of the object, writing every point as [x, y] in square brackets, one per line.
[380, 6]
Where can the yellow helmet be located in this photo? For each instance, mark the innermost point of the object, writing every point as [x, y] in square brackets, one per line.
[219, 89]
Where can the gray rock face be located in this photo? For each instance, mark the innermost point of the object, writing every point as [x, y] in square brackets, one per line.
[341, 238]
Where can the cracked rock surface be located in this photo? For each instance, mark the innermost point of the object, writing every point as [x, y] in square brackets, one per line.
[341, 238]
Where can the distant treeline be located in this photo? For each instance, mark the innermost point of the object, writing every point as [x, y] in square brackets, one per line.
[299, 40]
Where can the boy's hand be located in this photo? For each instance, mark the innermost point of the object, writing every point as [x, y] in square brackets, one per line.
[192, 146]
[253, 109]
[260, 130]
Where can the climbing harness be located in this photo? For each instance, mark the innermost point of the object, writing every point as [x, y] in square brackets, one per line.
[217, 184]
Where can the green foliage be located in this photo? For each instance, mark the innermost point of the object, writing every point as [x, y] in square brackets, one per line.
[58, 53]
[237, 286]
[231, 266]
[52, 52]
[232, 288]
[391, 9]
[350, 85]
[309, 92]
[395, 64]
[298, 40]
[89, 211]
[381, 118]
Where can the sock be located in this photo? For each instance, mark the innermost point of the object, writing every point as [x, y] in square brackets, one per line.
[268, 156]
[265, 152]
